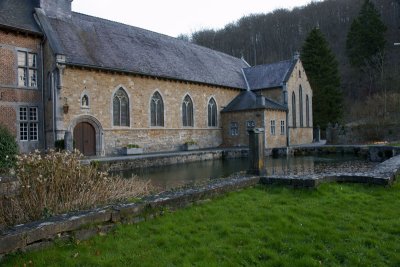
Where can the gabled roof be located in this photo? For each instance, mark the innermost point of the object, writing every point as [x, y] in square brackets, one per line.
[18, 15]
[247, 100]
[95, 42]
[269, 75]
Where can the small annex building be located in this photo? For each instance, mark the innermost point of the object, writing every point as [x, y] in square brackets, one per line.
[100, 85]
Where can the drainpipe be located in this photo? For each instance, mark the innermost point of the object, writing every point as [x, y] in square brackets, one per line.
[43, 97]
[53, 105]
[285, 101]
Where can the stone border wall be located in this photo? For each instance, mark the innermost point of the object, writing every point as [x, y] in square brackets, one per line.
[86, 224]
[373, 153]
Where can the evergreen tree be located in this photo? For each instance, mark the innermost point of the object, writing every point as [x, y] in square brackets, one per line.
[322, 70]
[366, 38]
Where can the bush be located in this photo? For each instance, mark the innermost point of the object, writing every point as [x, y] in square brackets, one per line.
[59, 145]
[8, 150]
[56, 183]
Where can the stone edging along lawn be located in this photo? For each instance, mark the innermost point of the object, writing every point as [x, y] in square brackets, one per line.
[83, 225]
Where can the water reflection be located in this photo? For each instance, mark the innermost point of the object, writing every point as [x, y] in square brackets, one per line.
[168, 177]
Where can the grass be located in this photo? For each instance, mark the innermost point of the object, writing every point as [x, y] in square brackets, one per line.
[334, 225]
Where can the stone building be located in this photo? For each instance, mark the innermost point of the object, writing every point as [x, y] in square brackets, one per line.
[102, 85]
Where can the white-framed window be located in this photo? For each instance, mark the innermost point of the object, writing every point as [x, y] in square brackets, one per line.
[272, 127]
[28, 124]
[234, 129]
[27, 69]
[282, 127]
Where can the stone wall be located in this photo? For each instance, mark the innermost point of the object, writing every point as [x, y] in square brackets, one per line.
[101, 86]
[13, 96]
[262, 119]
[300, 136]
[359, 134]
[241, 118]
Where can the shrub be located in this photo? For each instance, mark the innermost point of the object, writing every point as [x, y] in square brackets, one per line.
[132, 146]
[8, 150]
[56, 183]
[59, 145]
[191, 142]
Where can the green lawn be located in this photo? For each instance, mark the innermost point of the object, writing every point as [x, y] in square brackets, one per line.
[334, 225]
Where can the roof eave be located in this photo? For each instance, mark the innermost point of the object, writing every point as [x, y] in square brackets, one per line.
[18, 29]
[87, 66]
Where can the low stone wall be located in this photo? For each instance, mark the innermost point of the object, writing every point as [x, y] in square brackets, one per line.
[373, 153]
[164, 159]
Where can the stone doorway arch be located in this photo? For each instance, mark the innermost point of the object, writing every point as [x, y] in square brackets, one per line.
[86, 135]
[85, 138]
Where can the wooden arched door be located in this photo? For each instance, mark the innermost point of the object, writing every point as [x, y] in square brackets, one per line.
[85, 139]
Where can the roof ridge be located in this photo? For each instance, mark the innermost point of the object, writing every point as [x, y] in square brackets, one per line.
[162, 34]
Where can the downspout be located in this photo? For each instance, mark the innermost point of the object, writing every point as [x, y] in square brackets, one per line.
[285, 101]
[53, 100]
[43, 97]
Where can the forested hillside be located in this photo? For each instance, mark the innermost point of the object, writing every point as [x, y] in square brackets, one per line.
[266, 38]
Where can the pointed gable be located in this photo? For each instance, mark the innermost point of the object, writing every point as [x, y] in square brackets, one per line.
[247, 100]
[269, 75]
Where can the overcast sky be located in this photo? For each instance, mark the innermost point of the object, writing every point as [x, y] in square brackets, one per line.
[174, 17]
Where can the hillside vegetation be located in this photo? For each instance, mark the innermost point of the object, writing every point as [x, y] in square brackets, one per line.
[265, 38]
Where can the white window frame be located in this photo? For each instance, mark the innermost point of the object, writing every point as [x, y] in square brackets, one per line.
[234, 130]
[29, 67]
[28, 124]
[283, 127]
[273, 127]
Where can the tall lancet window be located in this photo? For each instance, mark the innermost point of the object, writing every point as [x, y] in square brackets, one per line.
[294, 109]
[301, 105]
[157, 110]
[120, 108]
[187, 112]
[212, 113]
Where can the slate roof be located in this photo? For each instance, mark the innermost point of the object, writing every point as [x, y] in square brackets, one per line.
[247, 101]
[95, 42]
[18, 14]
[269, 75]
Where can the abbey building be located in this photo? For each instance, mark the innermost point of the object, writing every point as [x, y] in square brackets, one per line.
[101, 85]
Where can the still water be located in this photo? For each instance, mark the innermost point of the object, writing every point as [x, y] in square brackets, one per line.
[174, 176]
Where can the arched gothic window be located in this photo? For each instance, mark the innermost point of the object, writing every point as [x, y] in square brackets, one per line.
[157, 110]
[301, 105]
[120, 108]
[307, 111]
[212, 113]
[294, 109]
[187, 111]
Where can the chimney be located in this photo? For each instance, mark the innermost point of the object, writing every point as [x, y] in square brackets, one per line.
[260, 100]
[57, 8]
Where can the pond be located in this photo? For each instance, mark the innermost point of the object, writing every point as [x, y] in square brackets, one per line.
[193, 173]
